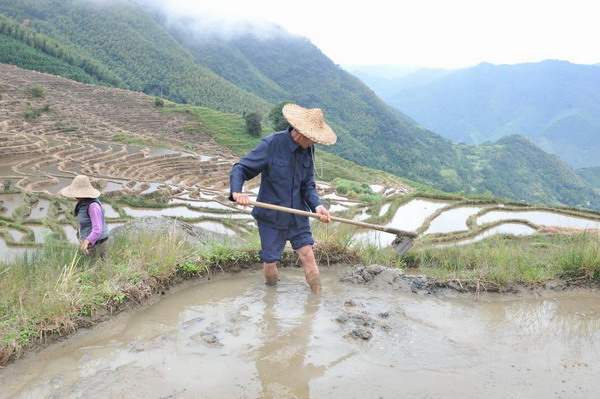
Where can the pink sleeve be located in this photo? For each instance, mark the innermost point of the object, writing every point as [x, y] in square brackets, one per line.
[95, 213]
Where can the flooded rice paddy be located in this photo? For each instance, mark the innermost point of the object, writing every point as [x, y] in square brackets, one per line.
[195, 187]
[452, 220]
[234, 337]
[542, 218]
[412, 215]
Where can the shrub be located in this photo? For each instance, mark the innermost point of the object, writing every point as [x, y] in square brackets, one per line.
[276, 117]
[31, 114]
[253, 126]
[35, 92]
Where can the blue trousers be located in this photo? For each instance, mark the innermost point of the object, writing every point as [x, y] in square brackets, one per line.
[273, 240]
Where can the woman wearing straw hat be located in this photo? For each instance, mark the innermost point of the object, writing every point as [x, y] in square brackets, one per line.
[93, 231]
[285, 161]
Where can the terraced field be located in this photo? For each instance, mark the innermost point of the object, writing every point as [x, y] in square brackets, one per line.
[52, 129]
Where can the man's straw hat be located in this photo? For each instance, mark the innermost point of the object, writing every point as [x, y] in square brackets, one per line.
[310, 123]
[80, 187]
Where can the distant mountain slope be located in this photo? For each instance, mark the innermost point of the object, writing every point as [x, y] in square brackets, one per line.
[591, 175]
[386, 87]
[135, 47]
[513, 166]
[554, 103]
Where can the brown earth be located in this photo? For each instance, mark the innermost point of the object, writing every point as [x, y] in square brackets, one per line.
[75, 135]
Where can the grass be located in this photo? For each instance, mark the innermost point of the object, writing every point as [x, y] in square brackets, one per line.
[35, 92]
[54, 289]
[124, 138]
[507, 260]
[30, 114]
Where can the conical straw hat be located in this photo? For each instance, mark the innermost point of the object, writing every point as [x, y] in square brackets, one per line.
[310, 123]
[80, 187]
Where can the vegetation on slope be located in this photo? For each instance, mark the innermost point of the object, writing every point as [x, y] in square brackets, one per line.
[28, 49]
[136, 48]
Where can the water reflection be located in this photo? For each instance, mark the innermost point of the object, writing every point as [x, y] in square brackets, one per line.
[541, 218]
[515, 229]
[411, 216]
[452, 220]
[40, 210]
[282, 362]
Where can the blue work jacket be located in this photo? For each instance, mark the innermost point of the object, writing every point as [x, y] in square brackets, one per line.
[287, 179]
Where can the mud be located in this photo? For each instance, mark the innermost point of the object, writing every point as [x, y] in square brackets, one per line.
[234, 337]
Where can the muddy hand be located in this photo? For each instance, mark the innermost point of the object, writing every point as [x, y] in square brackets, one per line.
[241, 199]
[325, 216]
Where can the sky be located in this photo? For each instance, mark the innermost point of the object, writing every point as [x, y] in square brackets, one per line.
[424, 33]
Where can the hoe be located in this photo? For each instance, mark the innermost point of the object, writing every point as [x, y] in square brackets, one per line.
[402, 243]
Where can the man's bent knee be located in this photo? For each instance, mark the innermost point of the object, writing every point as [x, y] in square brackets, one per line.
[305, 250]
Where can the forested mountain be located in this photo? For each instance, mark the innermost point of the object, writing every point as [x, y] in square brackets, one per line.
[135, 47]
[514, 167]
[591, 176]
[554, 103]
[159, 56]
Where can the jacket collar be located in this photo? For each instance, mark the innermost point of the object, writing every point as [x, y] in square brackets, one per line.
[291, 143]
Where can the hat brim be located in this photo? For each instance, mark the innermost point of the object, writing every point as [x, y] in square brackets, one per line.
[304, 120]
[74, 192]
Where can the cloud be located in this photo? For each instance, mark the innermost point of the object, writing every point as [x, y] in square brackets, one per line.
[206, 19]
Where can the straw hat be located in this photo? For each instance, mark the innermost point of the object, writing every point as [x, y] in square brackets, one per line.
[310, 123]
[80, 188]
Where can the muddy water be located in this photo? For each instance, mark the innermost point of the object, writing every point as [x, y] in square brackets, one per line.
[215, 227]
[8, 254]
[40, 210]
[10, 202]
[70, 233]
[411, 215]
[515, 229]
[112, 186]
[237, 338]
[541, 218]
[180, 211]
[452, 220]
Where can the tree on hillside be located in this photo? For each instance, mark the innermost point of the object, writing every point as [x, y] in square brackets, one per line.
[276, 117]
[253, 126]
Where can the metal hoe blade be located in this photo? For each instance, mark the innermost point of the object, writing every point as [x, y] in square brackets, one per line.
[402, 244]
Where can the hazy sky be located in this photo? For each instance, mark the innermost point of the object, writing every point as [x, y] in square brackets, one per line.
[431, 33]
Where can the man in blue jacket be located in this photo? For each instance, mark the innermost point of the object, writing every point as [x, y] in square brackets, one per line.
[285, 162]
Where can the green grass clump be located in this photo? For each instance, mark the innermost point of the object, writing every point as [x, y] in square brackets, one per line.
[124, 138]
[350, 187]
[35, 92]
[509, 260]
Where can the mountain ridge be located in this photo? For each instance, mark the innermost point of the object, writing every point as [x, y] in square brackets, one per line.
[554, 103]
